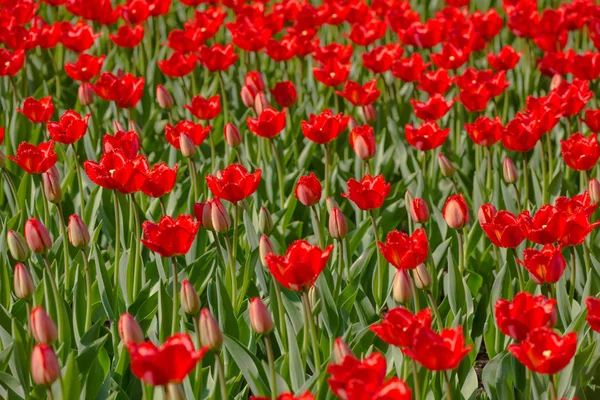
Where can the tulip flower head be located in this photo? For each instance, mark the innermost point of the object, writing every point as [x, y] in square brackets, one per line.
[369, 193]
[544, 351]
[438, 352]
[170, 237]
[524, 314]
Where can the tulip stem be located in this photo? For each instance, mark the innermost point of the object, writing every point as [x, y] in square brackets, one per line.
[198, 374]
[224, 95]
[544, 173]
[586, 258]
[573, 276]
[519, 272]
[415, 294]
[219, 250]
[88, 290]
[63, 232]
[45, 201]
[448, 384]
[318, 227]
[338, 284]
[313, 331]
[232, 270]
[175, 297]
[528, 384]
[488, 182]
[416, 380]
[461, 254]
[221, 373]
[117, 247]
[553, 394]
[518, 197]
[550, 156]
[525, 177]
[279, 174]
[50, 396]
[327, 168]
[136, 260]
[79, 179]
[281, 314]
[11, 185]
[436, 311]
[194, 178]
[271, 358]
[381, 269]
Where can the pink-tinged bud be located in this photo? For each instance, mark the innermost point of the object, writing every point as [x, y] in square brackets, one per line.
[206, 216]
[42, 327]
[117, 126]
[51, 186]
[260, 102]
[402, 287]
[164, 97]
[341, 350]
[247, 96]
[422, 277]
[79, 236]
[419, 212]
[368, 113]
[85, 94]
[129, 329]
[190, 302]
[265, 247]
[352, 123]
[557, 79]
[456, 212]
[408, 198]
[510, 171]
[210, 333]
[187, 146]
[260, 317]
[594, 189]
[308, 190]
[133, 126]
[255, 81]
[220, 217]
[37, 236]
[482, 217]
[23, 284]
[338, 227]
[446, 165]
[232, 135]
[44, 365]
[265, 221]
[17, 246]
[2, 159]
[175, 392]
[331, 204]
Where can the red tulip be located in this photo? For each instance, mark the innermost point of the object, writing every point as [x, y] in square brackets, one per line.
[288, 396]
[178, 65]
[452, 57]
[369, 193]
[366, 33]
[362, 140]
[127, 143]
[354, 379]
[78, 37]
[546, 226]
[521, 134]
[300, 267]
[503, 228]
[195, 132]
[205, 108]
[485, 131]
[308, 190]
[360, 95]
[524, 314]
[545, 266]
[556, 63]
[233, 183]
[580, 152]
[419, 212]
[126, 90]
[438, 352]
[35, 159]
[11, 62]
[592, 120]
[456, 211]
[160, 180]
[545, 351]
[37, 111]
[409, 69]
[380, 59]
[334, 51]
[424, 35]
[268, 124]
[399, 326]
[488, 24]
[116, 172]
[576, 228]
[285, 94]
[332, 72]
[48, 35]
[128, 36]
[403, 251]
[325, 127]
[574, 96]
[505, 60]
[135, 11]
[593, 316]
[70, 128]
[283, 50]
[218, 57]
[428, 136]
[170, 237]
[435, 107]
[170, 363]
[86, 67]
[185, 41]
[249, 35]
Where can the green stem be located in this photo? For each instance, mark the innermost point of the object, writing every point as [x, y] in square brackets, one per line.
[281, 314]
[79, 179]
[550, 155]
[415, 295]
[573, 276]
[213, 153]
[327, 168]
[461, 253]
[232, 271]
[553, 394]
[11, 185]
[136, 260]
[194, 178]
[219, 250]
[88, 291]
[527, 384]
[488, 183]
[198, 373]
[175, 297]
[382, 271]
[279, 174]
[526, 177]
[338, 284]
[544, 173]
[221, 374]
[224, 95]
[117, 245]
[318, 227]
[63, 232]
[313, 331]
[519, 272]
[448, 384]
[436, 311]
[45, 201]
[518, 197]
[271, 359]
[416, 380]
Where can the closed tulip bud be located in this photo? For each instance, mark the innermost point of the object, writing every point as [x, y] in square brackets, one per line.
[117, 126]
[557, 79]
[247, 96]
[594, 189]
[331, 203]
[510, 171]
[402, 287]
[265, 247]
[2, 159]
[44, 365]
[129, 329]
[37, 236]
[232, 135]
[17, 246]
[352, 123]
[85, 94]
[422, 277]
[368, 113]
[341, 350]
[210, 333]
[175, 392]
[260, 102]
[133, 126]
[419, 212]
[220, 217]
[254, 80]
[79, 236]
[446, 165]
[164, 97]
[456, 212]
[481, 214]
[42, 327]
[51, 187]
[338, 227]
[260, 317]
[23, 284]
[408, 197]
[314, 294]
[190, 302]
[265, 221]
[187, 146]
